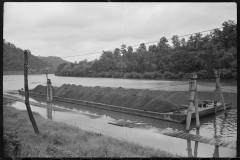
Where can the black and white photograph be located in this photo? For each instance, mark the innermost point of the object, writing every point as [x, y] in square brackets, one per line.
[119, 79]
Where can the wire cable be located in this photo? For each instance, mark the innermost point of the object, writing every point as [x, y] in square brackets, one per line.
[140, 44]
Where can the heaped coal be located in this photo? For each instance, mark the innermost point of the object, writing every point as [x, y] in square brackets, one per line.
[158, 101]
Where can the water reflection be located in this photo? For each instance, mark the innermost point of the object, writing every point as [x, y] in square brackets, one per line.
[227, 132]
[216, 149]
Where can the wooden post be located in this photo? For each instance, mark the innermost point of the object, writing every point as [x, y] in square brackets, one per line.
[216, 150]
[192, 90]
[189, 148]
[27, 93]
[50, 90]
[196, 144]
[47, 94]
[196, 107]
[47, 86]
[215, 106]
[218, 88]
[49, 113]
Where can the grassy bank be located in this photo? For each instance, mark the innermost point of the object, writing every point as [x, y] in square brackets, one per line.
[62, 140]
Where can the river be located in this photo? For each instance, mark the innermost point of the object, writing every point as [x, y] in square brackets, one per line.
[87, 118]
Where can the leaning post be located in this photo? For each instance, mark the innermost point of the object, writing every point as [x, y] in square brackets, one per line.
[192, 90]
[218, 87]
[27, 93]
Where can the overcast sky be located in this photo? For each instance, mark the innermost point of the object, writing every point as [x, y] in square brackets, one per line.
[65, 29]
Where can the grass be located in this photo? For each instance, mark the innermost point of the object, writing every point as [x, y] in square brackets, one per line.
[58, 139]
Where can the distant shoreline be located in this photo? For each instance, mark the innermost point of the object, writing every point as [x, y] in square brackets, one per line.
[21, 73]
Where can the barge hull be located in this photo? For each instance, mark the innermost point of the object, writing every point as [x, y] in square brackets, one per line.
[179, 118]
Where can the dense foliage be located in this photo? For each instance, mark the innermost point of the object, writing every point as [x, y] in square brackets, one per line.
[53, 60]
[200, 54]
[13, 60]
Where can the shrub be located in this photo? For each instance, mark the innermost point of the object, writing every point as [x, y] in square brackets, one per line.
[202, 74]
[179, 75]
[136, 75]
[225, 73]
[168, 75]
[159, 75]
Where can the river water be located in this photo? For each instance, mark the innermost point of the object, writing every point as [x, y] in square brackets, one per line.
[147, 132]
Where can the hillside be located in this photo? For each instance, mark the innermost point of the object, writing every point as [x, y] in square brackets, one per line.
[13, 60]
[53, 60]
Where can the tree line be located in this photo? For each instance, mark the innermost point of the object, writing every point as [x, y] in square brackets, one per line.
[199, 54]
[13, 60]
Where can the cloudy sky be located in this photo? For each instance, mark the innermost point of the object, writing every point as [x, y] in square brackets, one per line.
[68, 29]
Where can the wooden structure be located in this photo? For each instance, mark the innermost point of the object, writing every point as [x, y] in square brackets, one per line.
[184, 135]
[49, 88]
[27, 93]
[219, 90]
[49, 96]
[193, 101]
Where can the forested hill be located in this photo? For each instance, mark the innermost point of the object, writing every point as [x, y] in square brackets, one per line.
[13, 60]
[53, 60]
[200, 54]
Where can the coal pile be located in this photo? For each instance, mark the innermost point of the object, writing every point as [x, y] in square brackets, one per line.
[149, 100]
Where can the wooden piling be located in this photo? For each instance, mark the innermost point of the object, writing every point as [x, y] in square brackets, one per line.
[189, 148]
[196, 144]
[49, 113]
[192, 90]
[27, 93]
[47, 94]
[49, 90]
[196, 107]
[218, 89]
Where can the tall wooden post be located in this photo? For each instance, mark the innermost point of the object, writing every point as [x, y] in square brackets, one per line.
[27, 93]
[218, 89]
[196, 107]
[192, 89]
[216, 150]
[196, 144]
[189, 148]
[49, 90]
[47, 86]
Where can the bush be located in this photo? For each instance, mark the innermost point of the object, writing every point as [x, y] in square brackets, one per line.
[179, 75]
[159, 75]
[128, 75]
[225, 73]
[169, 75]
[202, 74]
[136, 75]
[118, 75]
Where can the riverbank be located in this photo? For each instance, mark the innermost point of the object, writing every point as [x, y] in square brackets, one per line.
[21, 73]
[63, 140]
